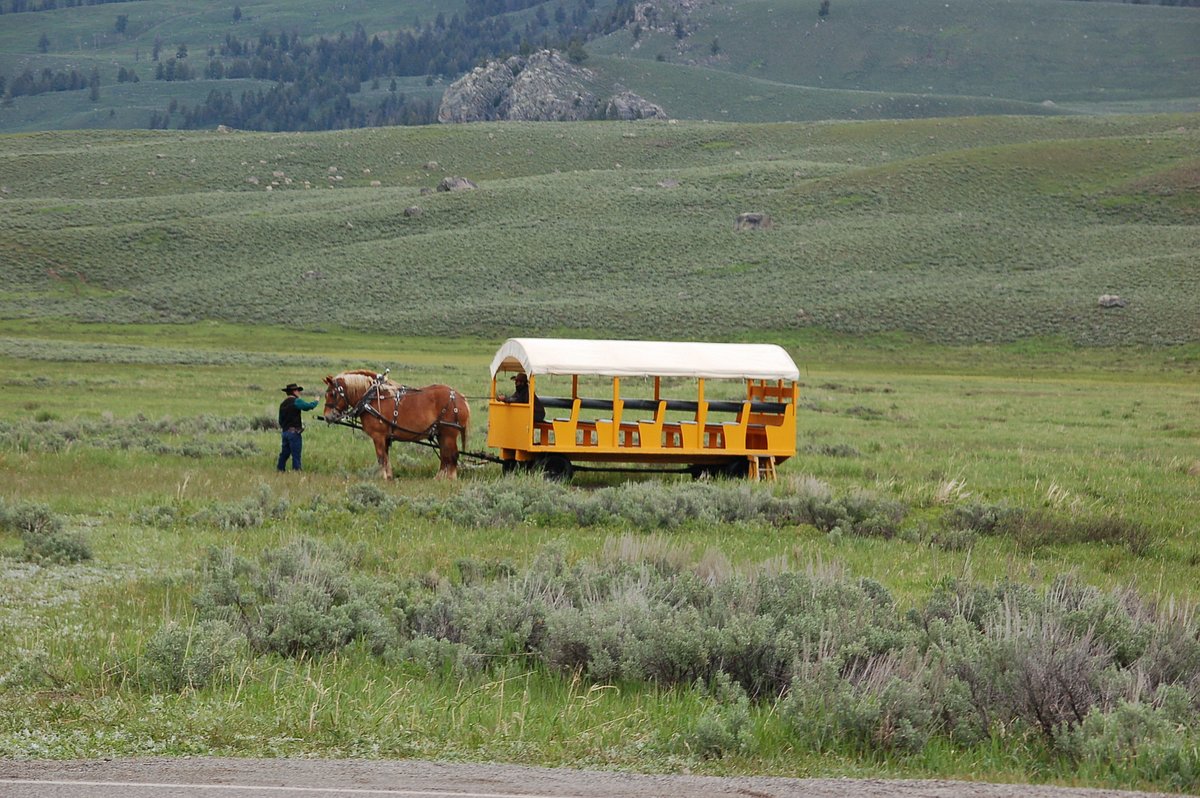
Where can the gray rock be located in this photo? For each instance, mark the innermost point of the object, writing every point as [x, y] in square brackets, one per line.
[753, 221]
[627, 106]
[542, 87]
[456, 184]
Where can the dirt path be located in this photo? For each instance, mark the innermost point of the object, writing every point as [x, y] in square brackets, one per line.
[415, 778]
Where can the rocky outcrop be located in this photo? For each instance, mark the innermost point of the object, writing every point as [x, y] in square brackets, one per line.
[627, 106]
[542, 87]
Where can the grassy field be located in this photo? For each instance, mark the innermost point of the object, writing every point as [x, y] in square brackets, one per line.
[774, 61]
[980, 564]
[1028, 51]
[142, 441]
[959, 230]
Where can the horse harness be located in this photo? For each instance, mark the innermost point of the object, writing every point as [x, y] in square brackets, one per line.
[373, 394]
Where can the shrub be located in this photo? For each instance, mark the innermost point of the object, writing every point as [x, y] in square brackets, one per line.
[178, 656]
[32, 669]
[724, 726]
[243, 514]
[433, 656]
[299, 599]
[364, 496]
[885, 705]
[44, 536]
[1032, 529]
[1135, 743]
[31, 519]
[60, 548]
[160, 516]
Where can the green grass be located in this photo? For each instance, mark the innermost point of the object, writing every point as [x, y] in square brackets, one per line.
[1041, 426]
[989, 229]
[1029, 51]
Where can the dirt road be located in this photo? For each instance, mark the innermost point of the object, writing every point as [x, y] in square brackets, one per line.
[249, 778]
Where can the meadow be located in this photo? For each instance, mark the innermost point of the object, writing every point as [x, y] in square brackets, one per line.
[965, 230]
[139, 500]
[980, 563]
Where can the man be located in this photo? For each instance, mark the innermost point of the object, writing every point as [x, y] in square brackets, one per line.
[520, 395]
[291, 425]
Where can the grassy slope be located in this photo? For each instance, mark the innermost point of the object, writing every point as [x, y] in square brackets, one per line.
[1030, 50]
[956, 230]
[775, 62]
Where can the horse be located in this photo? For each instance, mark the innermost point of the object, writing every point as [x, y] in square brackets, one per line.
[386, 412]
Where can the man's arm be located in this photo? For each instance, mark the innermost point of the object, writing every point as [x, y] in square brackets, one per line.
[304, 404]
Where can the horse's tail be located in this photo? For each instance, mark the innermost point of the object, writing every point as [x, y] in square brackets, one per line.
[465, 416]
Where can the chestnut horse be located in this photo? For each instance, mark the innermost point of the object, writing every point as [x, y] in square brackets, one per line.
[388, 412]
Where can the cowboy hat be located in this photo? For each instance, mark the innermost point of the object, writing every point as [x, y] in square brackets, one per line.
[520, 377]
[291, 386]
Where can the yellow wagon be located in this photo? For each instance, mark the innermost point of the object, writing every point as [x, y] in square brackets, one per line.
[704, 407]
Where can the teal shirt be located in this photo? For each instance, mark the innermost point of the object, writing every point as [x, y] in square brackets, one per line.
[302, 404]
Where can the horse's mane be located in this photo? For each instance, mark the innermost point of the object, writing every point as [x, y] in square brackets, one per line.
[358, 381]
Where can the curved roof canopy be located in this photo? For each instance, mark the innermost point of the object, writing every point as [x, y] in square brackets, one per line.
[645, 359]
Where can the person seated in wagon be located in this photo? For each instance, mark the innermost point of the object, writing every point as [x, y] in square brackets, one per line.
[520, 395]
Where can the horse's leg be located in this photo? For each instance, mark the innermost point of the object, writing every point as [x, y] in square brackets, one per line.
[382, 444]
[448, 452]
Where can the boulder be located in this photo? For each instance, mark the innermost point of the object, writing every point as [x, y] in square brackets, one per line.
[541, 87]
[627, 106]
[753, 221]
[456, 184]
[1112, 301]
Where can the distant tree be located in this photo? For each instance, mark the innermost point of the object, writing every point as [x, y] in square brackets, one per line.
[575, 52]
[680, 31]
[715, 47]
[43, 43]
[94, 85]
[122, 23]
[824, 10]
[237, 13]
[156, 49]
[181, 52]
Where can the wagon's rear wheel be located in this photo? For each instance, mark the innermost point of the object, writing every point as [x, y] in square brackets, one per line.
[737, 469]
[509, 466]
[556, 467]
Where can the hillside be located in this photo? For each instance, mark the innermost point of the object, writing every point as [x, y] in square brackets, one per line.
[956, 230]
[749, 61]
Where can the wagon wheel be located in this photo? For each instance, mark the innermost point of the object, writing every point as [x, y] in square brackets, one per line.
[737, 469]
[509, 466]
[556, 467]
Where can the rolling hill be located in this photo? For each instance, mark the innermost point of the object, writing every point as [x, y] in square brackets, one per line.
[954, 230]
[748, 61]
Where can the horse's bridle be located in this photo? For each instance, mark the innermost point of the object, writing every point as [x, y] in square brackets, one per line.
[344, 409]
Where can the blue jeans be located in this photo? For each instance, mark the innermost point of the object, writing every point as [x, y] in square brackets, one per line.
[293, 442]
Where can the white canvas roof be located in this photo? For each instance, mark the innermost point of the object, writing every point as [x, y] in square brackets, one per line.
[645, 359]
